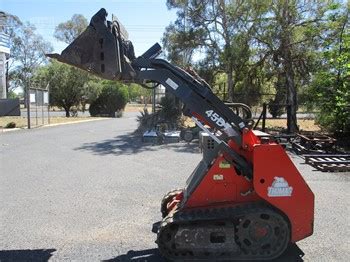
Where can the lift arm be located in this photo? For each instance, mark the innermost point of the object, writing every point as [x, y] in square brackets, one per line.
[103, 50]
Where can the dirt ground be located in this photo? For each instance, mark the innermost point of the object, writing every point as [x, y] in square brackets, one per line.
[57, 116]
[304, 124]
[137, 107]
[21, 121]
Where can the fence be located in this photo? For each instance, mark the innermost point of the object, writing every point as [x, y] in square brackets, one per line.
[38, 110]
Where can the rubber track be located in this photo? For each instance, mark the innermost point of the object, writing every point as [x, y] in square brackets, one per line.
[212, 214]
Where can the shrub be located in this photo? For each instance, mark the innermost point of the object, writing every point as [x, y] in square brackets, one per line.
[113, 97]
[147, 121]
[168, 117]
[275, 109]
[333, 100]
[11, 125]
[169, 111]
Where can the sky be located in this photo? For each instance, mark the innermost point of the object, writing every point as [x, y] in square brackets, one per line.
[144, 20]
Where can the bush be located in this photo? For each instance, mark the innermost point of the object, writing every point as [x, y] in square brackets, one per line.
[168, 117]
[11, 125]
[333, 100]
[113, 97]
[275, 109]
[169, 111]
[147, 121]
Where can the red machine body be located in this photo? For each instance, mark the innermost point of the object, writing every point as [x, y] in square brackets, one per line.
[222, 186]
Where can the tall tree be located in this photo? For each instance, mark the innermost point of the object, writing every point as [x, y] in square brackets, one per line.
[288, 32]
[71, 29]
[28, 51]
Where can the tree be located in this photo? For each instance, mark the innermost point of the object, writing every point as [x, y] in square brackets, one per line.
[287, 33]
[66, 84]
[216, 29]
[330, 88]
[71, 29]
[12, 95]
[28, 51]
[257, 44]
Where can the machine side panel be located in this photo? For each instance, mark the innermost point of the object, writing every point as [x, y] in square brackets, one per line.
[278, 181]
[220, 185]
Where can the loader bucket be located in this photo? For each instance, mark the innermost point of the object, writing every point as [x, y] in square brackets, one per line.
[100, 50]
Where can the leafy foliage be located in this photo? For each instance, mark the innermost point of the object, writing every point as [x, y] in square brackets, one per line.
[10, 27]
[169, 111]
[113, 97]
[28, 51]
[168, 115]
[257, 44]
[11, 95]
[66, 84]
[10, 125]
[296, 50]
[138, 93]
[213, 29]
[92, 89]
[71, 29]
[330, 89]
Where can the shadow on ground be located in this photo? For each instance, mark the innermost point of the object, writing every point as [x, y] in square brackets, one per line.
[292, 254]
[27, 255]
[132, 144]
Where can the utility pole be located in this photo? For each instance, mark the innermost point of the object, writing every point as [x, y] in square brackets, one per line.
[27, 102]
[154, 98]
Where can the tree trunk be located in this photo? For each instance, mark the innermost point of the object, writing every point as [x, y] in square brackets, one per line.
[291, 99]
[230, 83]
[227, 49]
[26, 94]
[287, 62]
[7, 79]
[66, 108]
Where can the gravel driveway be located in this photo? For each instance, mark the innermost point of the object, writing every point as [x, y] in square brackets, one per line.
[90, 192]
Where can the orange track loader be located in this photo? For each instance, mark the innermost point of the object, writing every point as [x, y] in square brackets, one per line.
[244, 201]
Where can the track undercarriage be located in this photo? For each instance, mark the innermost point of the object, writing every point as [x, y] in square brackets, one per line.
[251, 231]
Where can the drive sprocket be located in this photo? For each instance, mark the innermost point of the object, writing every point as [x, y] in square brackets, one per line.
[165, 200]
[263, 233]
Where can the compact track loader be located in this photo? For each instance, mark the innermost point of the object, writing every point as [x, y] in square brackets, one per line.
[245, 200]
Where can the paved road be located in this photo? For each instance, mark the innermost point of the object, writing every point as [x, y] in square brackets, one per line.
[90, 192]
